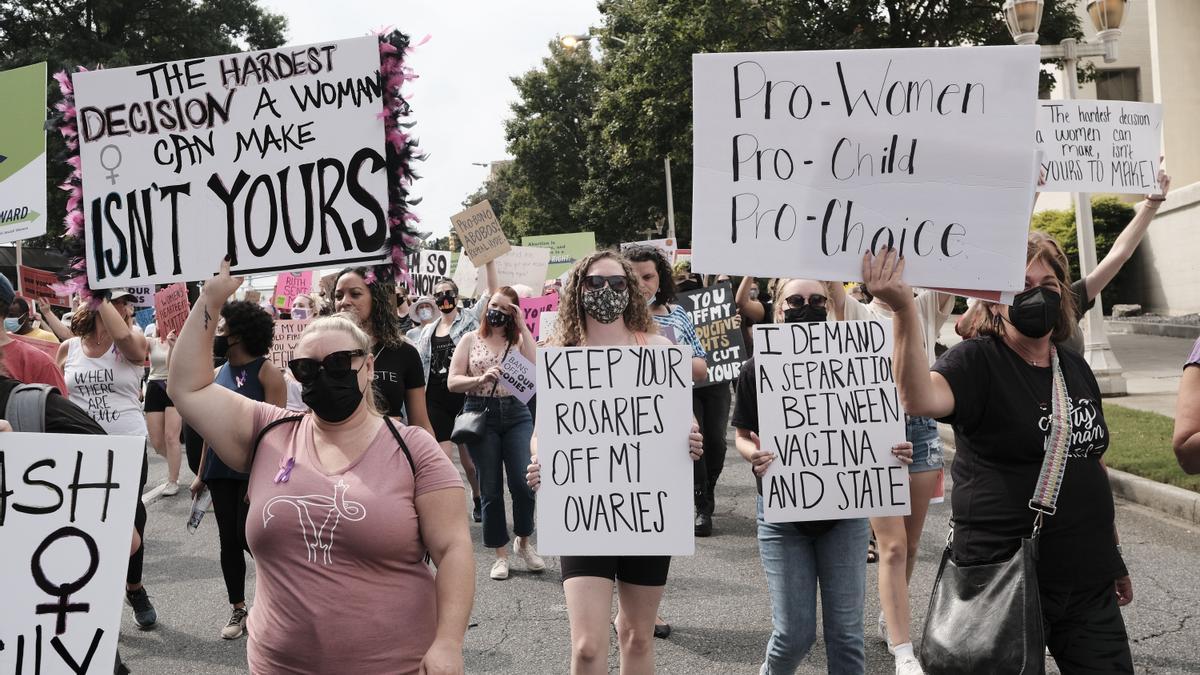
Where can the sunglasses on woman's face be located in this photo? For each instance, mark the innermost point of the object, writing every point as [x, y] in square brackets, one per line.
[595, 282]
[445, 296]
[337, 364]
[798, 301]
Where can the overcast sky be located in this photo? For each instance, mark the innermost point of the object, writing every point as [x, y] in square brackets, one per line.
[462, 97]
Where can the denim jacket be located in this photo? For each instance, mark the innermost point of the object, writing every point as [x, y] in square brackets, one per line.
[466, 321]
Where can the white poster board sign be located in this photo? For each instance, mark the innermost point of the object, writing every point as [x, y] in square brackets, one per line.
[1100, 146]
[66, 549]
[806, 160]
[519, 375]
[427, 268]
[275, 158]
[828, 408]
[612, 440]
[521, 265]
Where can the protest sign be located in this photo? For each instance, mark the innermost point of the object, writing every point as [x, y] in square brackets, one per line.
[171, 308]
[521, 265]
[829, 410]
[23, 153]
[274, 158]
[44, 346]
[613, 445]
[565, 249]
[287, 336]
[548, 319]
[290, 284]
[144, 317]
[806, 160]
[143, 296]
[714, 315]
[667, 246]
[532, 308]
[66, 519]
[519, 375]
[480, 233]
[34, 283]
[427, 268]
[1100, 146]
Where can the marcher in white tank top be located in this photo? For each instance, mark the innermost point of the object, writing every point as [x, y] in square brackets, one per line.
[107, 387]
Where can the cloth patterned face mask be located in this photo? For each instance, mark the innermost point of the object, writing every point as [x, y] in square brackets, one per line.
[605, 305]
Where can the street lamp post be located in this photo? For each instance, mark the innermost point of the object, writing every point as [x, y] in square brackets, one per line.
[1024, 18]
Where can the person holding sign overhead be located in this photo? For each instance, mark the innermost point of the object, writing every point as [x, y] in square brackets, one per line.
[603, 306]
[398, 375]
[504, 448]
[1018, 405]
[798, 557]
[103, 367]
[353, 594]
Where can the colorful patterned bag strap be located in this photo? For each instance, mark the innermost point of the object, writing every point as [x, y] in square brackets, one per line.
[1054, 465]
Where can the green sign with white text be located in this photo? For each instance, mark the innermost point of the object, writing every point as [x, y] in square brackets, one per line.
[23, 153]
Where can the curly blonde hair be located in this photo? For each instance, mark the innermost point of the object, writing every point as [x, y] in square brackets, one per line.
[570, 330]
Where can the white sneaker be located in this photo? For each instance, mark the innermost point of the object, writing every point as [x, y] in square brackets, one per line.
[171, 488]
[236, 626]
[909, 665]
[883, 632]
[533, 561]
[500, 569]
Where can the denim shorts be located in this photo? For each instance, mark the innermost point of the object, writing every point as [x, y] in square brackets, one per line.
[922, 432]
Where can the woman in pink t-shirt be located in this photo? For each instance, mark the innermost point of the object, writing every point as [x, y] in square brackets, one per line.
[344, 504]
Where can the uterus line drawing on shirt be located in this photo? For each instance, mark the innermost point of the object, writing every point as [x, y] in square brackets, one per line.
[319, 538]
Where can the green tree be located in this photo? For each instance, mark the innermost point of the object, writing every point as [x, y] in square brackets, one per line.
[113, 33]
[1110, 215]
[496, 189]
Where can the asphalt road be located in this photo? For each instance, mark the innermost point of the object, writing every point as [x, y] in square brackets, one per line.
[716, 600]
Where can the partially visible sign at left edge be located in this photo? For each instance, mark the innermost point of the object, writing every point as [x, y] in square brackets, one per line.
[23, 153]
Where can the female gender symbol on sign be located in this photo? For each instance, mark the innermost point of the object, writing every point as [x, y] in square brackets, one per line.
[64, 591]
[112, 170]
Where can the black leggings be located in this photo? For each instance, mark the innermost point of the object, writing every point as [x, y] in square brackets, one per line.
[231, 509]
[1085, 631]
[133, 575]
[710, 405]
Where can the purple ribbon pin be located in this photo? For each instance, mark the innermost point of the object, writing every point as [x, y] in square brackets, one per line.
[285, 470]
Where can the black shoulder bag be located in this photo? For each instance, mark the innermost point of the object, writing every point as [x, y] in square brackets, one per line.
[987, 618]
[471, 425]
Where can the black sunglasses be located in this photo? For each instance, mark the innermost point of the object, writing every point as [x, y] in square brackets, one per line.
[595, 282]
[798, 301]
[337, 364]
[445, 295]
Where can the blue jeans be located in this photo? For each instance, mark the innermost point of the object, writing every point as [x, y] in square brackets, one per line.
[795, 564]
[503, 450]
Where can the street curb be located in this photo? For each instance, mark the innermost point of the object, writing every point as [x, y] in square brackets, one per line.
[153, 495]
[1175, 330]
[1168, 499]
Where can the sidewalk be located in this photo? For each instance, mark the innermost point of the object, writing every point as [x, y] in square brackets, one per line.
[1152, 366]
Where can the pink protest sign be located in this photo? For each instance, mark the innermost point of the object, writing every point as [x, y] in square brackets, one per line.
[171, 308]
[533, 308]
[288, 285]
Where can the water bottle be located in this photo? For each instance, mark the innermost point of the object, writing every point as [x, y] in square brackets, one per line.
[199, 505]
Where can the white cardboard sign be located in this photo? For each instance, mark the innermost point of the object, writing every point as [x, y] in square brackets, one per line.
[806, 160]
[828, 408]
[612, 440]
[275, 158]
[53, 536]
[519, 375]
[427, 268]
[1100, 146]
[521, 265]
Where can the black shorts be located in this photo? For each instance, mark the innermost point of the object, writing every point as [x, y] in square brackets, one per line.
[640, 570]
[156, 396]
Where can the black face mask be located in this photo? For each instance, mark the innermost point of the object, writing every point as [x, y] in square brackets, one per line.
[1035, 311]
[804, 314]
[497, 318]
[220, 346]
[333, 399]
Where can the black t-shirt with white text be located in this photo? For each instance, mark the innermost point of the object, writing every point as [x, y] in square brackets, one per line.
[398, 369]
[1001, 421]
[745, 416]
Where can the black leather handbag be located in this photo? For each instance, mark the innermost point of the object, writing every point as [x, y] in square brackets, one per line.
[471, 425]
[986, 619]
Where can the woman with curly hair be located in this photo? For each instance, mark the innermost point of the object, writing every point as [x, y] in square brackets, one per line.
[398, 375]
[602, 306]
[244, 335]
